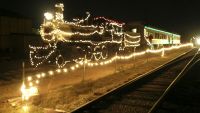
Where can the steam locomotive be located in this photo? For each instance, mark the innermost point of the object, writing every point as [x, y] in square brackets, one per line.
[89, 38]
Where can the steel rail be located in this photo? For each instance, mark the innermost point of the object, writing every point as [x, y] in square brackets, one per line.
[189, 65]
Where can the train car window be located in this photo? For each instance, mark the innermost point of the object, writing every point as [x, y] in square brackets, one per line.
[156, 35]
[163, 36]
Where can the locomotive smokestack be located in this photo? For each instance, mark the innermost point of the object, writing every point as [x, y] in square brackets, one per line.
[59, 9]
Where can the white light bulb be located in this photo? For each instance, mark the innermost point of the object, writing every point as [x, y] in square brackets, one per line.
[48, 16]
[50, 72]
[29, 78]
[65, 70]
[37, 81]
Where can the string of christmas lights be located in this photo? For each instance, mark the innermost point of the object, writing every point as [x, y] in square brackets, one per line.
[52, 31]
[55, 29]
[90, 63]
[30, 89]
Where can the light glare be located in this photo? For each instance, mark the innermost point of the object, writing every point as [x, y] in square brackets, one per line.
[48, 16]
[198, 41]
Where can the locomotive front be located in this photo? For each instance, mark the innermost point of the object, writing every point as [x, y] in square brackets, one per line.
[53, 26]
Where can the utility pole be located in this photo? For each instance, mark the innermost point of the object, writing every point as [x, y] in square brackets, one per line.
[116, 63]
[134, 57]
[23, 73]
[84, 65]
[147, 55]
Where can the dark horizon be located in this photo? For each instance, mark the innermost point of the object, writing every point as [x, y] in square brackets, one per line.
[176, 16]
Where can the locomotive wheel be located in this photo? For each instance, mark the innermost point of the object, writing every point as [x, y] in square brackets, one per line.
[89, 53]
[104, 52]
[60, 62]
[97, 53]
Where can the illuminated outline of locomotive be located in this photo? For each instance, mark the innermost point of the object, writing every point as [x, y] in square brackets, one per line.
[96, 40]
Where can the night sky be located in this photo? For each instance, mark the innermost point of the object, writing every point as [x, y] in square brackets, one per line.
[182, 16]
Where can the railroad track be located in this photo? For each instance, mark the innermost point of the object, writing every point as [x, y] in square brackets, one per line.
[142, 93]
[183, 95]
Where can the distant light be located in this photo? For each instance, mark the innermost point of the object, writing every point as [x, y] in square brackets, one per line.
[48, 16]
[198, 41]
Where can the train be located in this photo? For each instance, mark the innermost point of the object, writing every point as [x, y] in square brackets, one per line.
[158, 37]
[93, 39]
[152, 37]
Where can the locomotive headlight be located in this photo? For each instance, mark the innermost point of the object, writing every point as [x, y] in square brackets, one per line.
[198, 41]
[48, 16]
